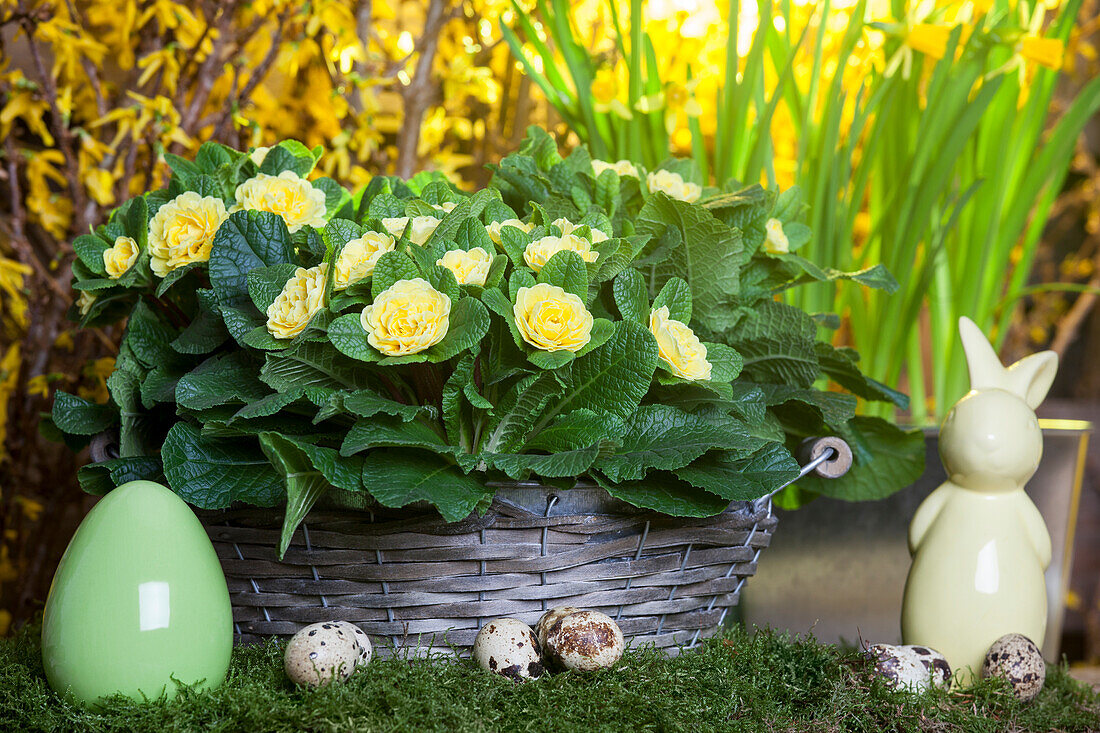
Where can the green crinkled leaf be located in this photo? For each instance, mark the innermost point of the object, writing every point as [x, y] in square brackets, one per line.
[578, 429]
[213, 474]
[631, 294]
[224, 378]
[835, 408]
[100, 478]
[304, 483]
[519, 466]
[777, 342]
[708, 257]
[136, 426]
[602, 331]
[311, 364]
[79, 416]
[384, 431]
[676, 295]
[468, 324]
[367, 403]
[662, 437]
[149, 336]
[887, 459]
[270, 405]
[726, 363]
[550, 359]
[206, 331]
[614, 377]
[840, 365]
[391, 267]
[90, 248]
[399, 478]
[347, 335]
[289, 155]
[519, 409]
[742, 478]
[266, 283]
[176, 275]
[453, 391]
[566, 270]
[876, 276]
[245, 241]
[664, 492]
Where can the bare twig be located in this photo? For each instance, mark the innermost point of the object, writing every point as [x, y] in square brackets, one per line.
[420, 91]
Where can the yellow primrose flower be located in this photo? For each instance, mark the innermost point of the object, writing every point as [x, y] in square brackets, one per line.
[539, 252]
[182, 231]
[406, 318]
[420, 228]
[258, 154]
[494, 228]
[678, 346]
[446, 207]
[595, 235]
[622, 168]
[119, 258]
[84, 302]
[358, 258]
[776, 242]
[551, 319]
[605, 94]
[301, 298]
[469, 267]
[287, 194]
[674, 185]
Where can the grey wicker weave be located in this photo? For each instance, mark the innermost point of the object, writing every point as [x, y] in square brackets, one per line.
[411, 580]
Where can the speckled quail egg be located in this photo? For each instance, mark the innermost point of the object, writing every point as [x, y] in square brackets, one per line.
[1016, 658]
[549, 619]
[900, 666]
[507, 646]
[934, 662]
[584, 641]
[320, 652]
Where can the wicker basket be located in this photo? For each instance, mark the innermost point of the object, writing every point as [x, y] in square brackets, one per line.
[410, 580]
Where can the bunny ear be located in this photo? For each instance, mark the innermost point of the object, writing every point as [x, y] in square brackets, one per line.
[1031, 377]
[986, 370]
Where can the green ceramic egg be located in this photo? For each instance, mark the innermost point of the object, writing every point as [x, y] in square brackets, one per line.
[138, 599]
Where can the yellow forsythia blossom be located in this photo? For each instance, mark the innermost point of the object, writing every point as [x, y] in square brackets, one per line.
[1048, 52]
[301, 298]
[551, 319]
[407, 318]
[359, 256]
[678, 347]
[182, 231]
[674, 185]
[287, 194]
[119, 258]
[469, 267]
[929, 39]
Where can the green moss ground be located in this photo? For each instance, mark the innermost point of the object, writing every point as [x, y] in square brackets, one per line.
[762, 682]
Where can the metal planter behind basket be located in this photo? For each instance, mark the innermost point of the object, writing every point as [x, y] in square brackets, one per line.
[411, 580]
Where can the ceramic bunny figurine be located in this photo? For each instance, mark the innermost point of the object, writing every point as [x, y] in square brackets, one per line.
[978, 543]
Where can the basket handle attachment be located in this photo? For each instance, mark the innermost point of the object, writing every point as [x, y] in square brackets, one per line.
[828, 456]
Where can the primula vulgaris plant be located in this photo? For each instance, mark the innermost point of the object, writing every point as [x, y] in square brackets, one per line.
[414, 343]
